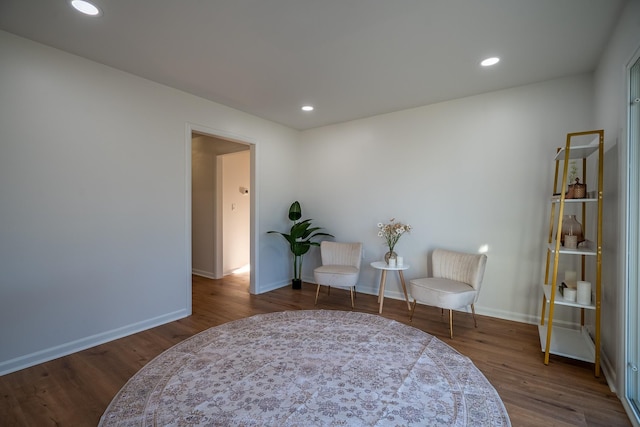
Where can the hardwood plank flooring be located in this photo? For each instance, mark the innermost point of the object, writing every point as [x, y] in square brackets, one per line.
[76, 389]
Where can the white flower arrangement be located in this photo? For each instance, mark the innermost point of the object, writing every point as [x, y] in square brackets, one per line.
[392, 232]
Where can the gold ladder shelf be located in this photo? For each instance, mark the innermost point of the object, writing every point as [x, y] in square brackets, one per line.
[581, 344]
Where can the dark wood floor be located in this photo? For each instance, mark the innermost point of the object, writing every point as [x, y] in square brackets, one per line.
[75, 390]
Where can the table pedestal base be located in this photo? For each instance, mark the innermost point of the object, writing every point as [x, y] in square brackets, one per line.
[383, 282]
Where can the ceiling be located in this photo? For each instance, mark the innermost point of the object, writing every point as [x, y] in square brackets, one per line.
[349, 58]
[220, 145]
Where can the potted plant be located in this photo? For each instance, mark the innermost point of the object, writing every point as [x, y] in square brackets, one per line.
[573, 175]
[300, 240]
[576, 189]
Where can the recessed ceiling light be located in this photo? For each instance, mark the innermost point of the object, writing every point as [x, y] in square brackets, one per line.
[85, 7]
[490, 61]
[307, 108]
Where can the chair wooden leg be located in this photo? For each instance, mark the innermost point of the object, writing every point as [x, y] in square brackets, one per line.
[473, 313]
[413, 309]
[451, 323]
[351, 291]
[317, 292]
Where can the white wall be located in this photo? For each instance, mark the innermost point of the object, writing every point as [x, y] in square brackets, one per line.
[465, 173]
[203, 211]
[235, 211]
[95, 200]
[611, 101]
[95, 196]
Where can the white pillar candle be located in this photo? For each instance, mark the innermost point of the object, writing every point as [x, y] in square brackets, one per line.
[392, 262]
[570, 242]
[400, 261]
[569, 294]
[584, 292]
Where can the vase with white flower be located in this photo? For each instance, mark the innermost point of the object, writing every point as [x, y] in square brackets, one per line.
[391, 233]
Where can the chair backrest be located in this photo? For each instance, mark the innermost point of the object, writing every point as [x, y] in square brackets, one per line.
[336, 253]
[462, 267]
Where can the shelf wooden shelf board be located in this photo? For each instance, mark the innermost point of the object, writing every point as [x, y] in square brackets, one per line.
[556, 199]
[573, 343]
[585, 248]
[559, 299]
[577, 152]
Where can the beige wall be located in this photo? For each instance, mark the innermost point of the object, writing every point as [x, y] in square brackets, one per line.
[235, 210]
[466, 174]
[611, 103]
[95, 200]
[203, 213]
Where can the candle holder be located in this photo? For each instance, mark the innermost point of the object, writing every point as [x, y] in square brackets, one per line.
[571, 227]
[584, 292]
[570, 295]
[571, 241]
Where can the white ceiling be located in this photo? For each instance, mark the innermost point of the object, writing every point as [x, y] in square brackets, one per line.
[350, 58]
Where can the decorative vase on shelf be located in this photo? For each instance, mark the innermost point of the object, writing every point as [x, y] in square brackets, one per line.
[577, 190]
[389, 255]
[571, 226]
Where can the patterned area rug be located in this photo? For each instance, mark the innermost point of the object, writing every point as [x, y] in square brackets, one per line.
[309, 368]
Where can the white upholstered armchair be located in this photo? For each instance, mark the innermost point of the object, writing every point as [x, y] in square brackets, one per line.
[455, 284]
[340, 266]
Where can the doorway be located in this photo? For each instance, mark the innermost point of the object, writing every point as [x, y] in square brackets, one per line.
[221, 204]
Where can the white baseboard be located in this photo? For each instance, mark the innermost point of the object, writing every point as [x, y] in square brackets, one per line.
[634, 416]
[508, 315]
[273, 286]
[48, 354]
[609, 373]
[483, 311]
[202, 273]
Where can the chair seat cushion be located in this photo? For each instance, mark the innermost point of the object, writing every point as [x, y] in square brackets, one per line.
[340, 276]
[442, 293]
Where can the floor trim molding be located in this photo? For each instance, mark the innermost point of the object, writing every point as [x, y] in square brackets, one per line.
[52, 353]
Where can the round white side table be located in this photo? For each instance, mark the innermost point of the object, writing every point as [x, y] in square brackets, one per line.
[381, 265]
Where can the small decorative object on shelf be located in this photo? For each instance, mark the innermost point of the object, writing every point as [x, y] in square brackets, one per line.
[584, 292]
[577, 190]
[570, 241]
[571, 278]
[570, 294]
[391, 233]
[571, 227]
[573, 175]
